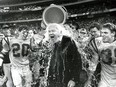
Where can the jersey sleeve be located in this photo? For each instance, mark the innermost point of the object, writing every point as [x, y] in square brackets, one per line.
[6, 45]
[92, 54]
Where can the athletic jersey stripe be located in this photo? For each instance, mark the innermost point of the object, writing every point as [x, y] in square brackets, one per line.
[94, 46]
[7, 41]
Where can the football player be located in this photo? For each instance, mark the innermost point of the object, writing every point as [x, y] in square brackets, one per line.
[103, 50]
[31, 33]
[94, 30]
[6, 62]
[19, 48]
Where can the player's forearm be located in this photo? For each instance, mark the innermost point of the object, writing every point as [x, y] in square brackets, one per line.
[1, 58]
[2, 53]
[90, 75]
[92, 69]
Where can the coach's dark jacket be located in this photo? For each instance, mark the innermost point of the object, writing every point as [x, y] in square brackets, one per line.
[65, 63]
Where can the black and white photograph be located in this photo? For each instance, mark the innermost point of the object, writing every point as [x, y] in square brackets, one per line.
[57, 43]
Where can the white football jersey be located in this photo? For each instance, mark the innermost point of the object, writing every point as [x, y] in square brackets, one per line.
[107, 53]
[18, 51]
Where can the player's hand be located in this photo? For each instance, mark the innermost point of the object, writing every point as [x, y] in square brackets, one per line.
[88, 84]
[71, 83]
[3, 80]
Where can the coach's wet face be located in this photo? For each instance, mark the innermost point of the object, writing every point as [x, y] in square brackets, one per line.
[53, 32]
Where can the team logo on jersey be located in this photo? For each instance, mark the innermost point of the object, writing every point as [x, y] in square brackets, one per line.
[108, 55]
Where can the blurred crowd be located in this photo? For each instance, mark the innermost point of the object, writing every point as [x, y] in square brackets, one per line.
[81, 22]
[17, 17]
[20, 8]
[88, 9]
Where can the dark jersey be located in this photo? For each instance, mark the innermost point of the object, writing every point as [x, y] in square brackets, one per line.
[6, 56]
